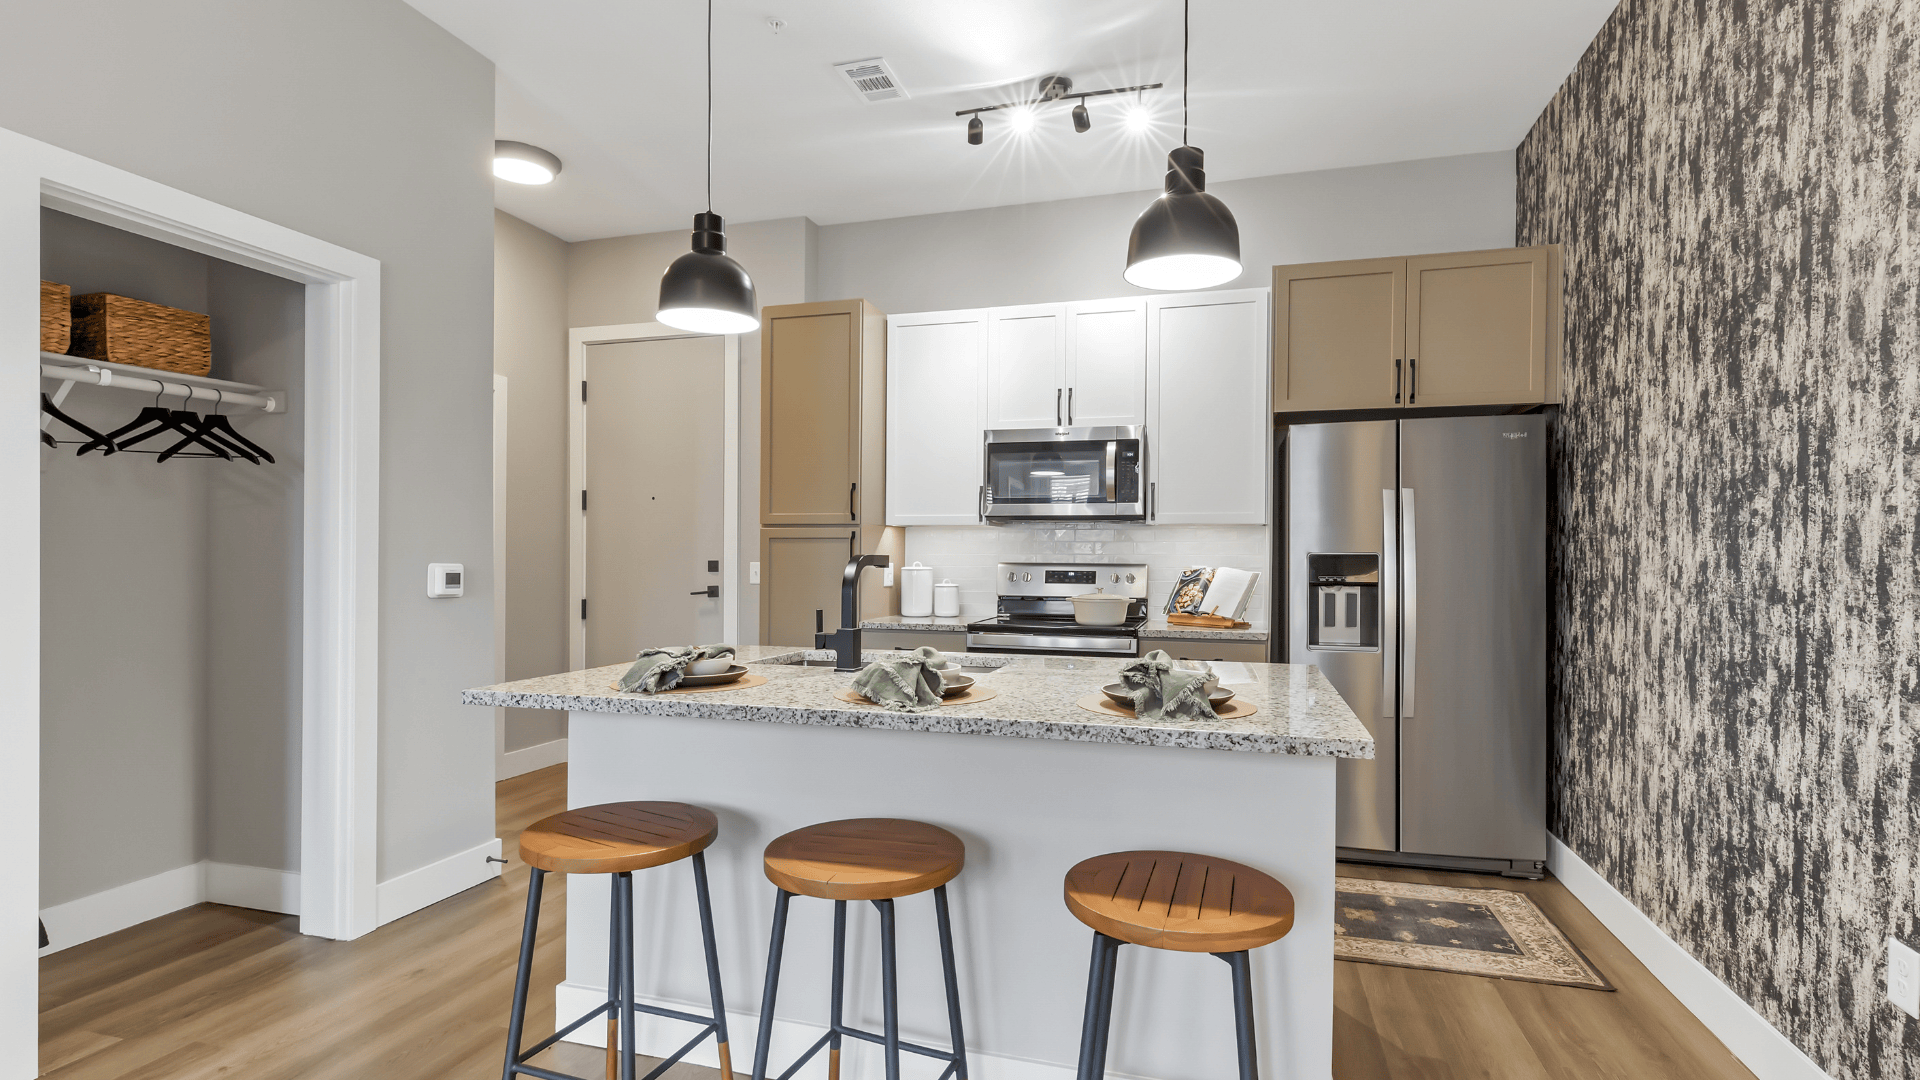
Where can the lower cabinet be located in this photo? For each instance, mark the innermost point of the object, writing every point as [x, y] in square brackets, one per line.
[1226, 652]
[801, 569]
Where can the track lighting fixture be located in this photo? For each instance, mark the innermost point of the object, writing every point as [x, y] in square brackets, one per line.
[1052, 88]
[705, 291]
[1186, 238]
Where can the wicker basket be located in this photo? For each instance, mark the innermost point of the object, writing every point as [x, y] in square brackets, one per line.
[56, 317]
[122, 330]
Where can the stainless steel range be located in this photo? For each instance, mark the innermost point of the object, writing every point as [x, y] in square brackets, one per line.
[1036, 614]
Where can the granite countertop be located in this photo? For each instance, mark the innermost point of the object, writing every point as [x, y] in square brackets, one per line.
[1156, 627]
[1299, 710]
[922, 622]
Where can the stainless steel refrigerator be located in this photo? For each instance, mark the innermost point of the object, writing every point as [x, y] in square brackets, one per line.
[1415, 556]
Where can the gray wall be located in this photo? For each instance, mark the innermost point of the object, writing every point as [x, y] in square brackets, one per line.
[617, 281]
[530, 349]
[171, 692]
[1737, 710]
[364, 124]
[1076, 249]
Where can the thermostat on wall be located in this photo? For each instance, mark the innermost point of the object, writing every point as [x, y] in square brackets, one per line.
[445, 579]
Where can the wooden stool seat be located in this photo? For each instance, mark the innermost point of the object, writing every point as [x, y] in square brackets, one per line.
[616, 838]
[1174, 900]
[864, 859]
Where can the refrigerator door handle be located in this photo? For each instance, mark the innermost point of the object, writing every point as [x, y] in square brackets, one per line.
[1389, 603]
[1409, 602]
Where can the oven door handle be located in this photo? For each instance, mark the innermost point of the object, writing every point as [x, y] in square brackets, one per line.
[1113, 450]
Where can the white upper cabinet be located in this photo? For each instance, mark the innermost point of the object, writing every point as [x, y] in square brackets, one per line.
[1106, 371]
[936, 412]
[1208, 418]
[1026, 368]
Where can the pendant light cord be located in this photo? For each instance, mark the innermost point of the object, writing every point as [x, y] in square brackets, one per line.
[709, 106]
[1186, 42]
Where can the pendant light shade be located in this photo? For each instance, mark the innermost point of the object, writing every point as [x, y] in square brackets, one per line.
[705, 291]
[1186, 238]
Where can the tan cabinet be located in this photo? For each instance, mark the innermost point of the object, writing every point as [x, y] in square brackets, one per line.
[823, 394]
[801, 570]
[1469, 328]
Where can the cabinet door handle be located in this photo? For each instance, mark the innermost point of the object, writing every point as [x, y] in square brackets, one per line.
[853, 547]
[983, 502]
[1069, 406]
[1153, 492]
[852, 514]
[1056, 407]
[1413, 380]
[1396, 381]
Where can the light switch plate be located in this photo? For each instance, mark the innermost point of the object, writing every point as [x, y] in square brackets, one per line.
[1903, 976]
[753, 573]
[886, 578]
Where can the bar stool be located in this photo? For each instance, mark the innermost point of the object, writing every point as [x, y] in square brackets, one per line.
[617, 838]
[1176, 901]
[876, 859]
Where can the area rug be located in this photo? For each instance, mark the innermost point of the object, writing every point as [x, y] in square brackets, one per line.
[1496, 933]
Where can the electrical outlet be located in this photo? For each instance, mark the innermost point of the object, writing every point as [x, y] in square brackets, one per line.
[886, 577]
[753, 573]
[1903, 976]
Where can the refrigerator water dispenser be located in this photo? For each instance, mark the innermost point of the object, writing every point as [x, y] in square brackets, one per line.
[1345, 595]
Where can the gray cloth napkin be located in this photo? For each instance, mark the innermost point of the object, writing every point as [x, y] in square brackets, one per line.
[661, 669]
[907, 682]
[1161, 690]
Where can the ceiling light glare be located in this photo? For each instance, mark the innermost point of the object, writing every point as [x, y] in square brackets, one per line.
[1023, 120]
[521, 163]
[1138, 120]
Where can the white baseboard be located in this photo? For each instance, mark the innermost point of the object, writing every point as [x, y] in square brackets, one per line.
[529, 758]
[401, 896]
[1758, 1044]
[657, 1037]
[115, 909]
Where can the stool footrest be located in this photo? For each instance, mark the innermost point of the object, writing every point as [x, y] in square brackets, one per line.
[708, 1026]
[912, 1048]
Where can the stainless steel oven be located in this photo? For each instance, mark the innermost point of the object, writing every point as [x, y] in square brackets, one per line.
[1093, 473]
[1035, 613]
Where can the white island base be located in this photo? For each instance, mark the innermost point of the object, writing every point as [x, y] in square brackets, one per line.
[1028, 809]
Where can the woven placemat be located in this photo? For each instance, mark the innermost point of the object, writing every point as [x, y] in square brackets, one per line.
[741, 683]
[974, 693]
[1101, 703]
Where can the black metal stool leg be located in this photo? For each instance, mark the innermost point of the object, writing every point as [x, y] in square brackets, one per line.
[760, 1048]
[713, 965]
[889, 988]
[836, 1020]
[623, 885]
[528, 930]
[953, 982]
[613, 981]
[1103, 1023]
[1243, 1011]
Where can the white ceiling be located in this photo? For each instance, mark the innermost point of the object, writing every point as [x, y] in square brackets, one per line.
[614, 87]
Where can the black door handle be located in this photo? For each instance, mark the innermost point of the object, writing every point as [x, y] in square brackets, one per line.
[1413, 380]
[711, 590]
[852, 513]
[1396, 381]
[1069, 405]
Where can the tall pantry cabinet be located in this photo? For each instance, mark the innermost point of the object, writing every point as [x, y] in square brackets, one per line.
[823, 392]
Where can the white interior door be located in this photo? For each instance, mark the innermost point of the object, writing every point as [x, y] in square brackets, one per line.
[1107, 363]
[655, 444]
[1026, 366]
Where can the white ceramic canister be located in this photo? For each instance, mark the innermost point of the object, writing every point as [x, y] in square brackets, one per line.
[916, 591]
[946, 600]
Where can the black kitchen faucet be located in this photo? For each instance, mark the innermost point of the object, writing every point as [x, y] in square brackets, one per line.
[845, 642]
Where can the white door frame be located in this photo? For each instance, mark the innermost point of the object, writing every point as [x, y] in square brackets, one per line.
[340, 581]
[578, 338]
[501, 412]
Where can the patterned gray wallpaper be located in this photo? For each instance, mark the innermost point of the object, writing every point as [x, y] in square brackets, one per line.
[1737, 707]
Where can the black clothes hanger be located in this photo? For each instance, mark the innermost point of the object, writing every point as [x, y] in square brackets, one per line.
[47, 406]
[217, 427]
[175, 420]
[111, 440]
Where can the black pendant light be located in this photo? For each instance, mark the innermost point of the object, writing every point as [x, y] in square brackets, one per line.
[705, 291]
[1186, 238]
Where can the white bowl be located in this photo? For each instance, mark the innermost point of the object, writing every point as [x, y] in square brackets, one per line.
[1100, 609]
[710, 667]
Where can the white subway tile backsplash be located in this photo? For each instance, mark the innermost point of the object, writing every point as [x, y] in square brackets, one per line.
[967, 554]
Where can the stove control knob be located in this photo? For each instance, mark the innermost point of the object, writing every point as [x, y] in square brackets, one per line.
[1129, 579]
[1009, 575]
[1116, 578]
[1026, 577]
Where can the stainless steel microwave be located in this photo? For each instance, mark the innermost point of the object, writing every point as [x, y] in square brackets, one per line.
[1078, 474]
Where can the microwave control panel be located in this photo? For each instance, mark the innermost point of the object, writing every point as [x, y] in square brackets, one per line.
[1126, 472]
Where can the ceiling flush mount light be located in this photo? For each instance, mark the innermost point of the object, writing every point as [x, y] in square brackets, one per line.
[523, 164]
[1052, 88]
[1186, 238]
[705, 291]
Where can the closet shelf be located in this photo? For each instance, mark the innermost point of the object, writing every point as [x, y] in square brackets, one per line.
[224, 394]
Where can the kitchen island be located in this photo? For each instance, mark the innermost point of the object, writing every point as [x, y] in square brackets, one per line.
[1033, 783]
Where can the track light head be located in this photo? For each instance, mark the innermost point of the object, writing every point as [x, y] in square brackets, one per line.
[976, 131]
[1081, 120]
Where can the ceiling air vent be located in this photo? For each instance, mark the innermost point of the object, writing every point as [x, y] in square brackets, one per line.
[872, 79]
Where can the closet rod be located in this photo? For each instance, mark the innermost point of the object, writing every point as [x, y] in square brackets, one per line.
[166, 387]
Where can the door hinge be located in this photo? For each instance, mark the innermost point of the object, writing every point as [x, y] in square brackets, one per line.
[583, 500]
[583, 391]
[583, 607]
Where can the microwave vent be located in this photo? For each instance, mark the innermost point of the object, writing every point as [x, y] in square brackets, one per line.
[873, 80]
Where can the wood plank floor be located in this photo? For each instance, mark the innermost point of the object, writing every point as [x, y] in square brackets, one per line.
[218, 991]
